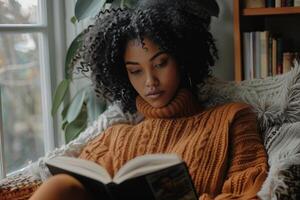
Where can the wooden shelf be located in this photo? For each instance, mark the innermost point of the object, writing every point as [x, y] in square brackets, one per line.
[283, 20]
[270, 11]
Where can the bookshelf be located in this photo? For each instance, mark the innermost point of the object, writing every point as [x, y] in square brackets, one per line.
[270, 11]
[285, 20]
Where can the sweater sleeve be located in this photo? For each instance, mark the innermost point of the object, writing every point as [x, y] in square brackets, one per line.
[247, 160]
[98, 151]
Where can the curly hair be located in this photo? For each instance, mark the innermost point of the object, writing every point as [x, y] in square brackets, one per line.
[174, 27]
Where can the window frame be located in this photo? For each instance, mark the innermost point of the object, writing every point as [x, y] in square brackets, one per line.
[52, 49]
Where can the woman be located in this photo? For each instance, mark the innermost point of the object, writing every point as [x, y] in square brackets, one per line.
[150, 60]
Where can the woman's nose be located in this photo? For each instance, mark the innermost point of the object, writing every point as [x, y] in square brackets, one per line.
[151, 80]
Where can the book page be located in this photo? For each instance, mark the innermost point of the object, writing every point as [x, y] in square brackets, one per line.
[145, 164]
[79, 166]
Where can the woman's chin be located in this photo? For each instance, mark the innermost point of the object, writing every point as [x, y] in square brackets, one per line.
[158, 104]
[158, 101]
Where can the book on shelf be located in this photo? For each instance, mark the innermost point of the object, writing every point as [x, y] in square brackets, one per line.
[257, 55]
[270, 3]
[264, 53]
[151, 176]
[277, 3]
[279, 55]
[248, 55]
[289, 3]
[274, 56]
[287, 61]
[254, 3]
[270, 55]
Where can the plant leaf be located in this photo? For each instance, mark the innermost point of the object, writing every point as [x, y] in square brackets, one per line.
[86, 8]
[64, 124]
[76, 106]
[116, 3]
[75, 45]
[130, 3]
[95, 106]
[59, 95]
[124, 3]
[73, 129]
[65, 111]
[73, 20]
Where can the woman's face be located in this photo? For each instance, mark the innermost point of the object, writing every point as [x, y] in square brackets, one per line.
[153, 73]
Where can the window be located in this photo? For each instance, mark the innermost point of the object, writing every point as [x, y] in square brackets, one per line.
[26, 125]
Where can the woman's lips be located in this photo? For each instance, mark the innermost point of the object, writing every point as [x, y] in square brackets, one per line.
[154, 95]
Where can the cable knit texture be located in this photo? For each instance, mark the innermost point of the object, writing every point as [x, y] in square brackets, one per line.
[220, 145]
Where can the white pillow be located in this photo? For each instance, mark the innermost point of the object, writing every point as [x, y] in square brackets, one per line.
[276, 101]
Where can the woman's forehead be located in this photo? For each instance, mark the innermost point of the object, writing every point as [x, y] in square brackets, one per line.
[134, 42]
[145, 45]
[136, 50]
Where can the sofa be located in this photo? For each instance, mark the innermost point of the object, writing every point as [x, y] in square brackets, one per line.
[275, 100]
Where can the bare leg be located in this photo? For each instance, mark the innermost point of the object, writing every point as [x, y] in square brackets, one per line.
[61, 187]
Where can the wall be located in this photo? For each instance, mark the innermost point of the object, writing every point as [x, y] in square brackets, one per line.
[222, 29]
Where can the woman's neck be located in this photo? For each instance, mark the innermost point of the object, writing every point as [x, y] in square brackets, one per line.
[184, 104]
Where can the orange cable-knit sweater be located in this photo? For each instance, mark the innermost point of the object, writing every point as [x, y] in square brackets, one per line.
[221, 145]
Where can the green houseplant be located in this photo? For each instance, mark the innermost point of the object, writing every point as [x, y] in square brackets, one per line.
[83, 106]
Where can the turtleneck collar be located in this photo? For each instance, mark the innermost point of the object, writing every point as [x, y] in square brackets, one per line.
[183, 105]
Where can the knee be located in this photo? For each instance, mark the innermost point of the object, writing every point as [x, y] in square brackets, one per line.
[61, 186]
[64, 182]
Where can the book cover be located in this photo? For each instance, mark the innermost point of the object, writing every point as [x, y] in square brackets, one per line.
[283, 3]
[147, 177]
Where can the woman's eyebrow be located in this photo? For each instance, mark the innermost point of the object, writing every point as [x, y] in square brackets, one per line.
[157, 54]
[132, 63]
[151, 59]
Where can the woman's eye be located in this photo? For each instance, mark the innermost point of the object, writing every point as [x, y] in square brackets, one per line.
[162, 64]
[135, 71]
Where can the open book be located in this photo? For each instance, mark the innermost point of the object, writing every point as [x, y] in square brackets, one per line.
[147, 177]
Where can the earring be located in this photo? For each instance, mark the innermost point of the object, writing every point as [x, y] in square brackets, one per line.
[190, 81]
[187, 76]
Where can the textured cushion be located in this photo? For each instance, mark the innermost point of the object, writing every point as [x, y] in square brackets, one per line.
[276, 101]
[283, 146]
[291, 178]
[18, 187]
